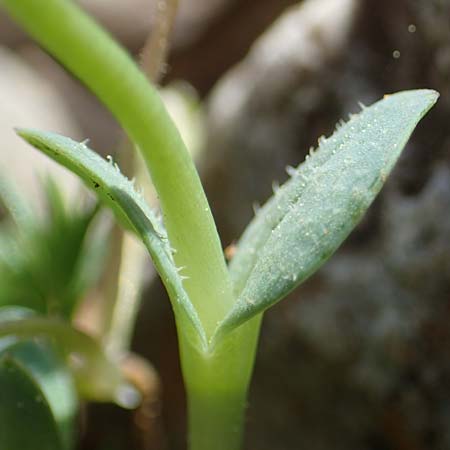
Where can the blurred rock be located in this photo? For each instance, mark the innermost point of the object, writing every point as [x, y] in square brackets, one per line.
[219, 34]
[194, 17]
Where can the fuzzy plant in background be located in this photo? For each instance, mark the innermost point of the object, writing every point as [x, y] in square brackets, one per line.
[46, 265]
[218, 309]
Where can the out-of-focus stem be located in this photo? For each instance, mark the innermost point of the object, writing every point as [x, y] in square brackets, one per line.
[154, 54]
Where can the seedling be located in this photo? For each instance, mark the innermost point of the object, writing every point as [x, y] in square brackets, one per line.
[218, 309]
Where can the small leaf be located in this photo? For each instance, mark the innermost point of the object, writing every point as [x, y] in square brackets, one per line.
[54, 391]
[26, 422]
[307, 219]
[105, 179]
[38, 402]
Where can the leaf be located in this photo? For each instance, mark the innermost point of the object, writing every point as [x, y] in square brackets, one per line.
[43, 392]
[105, 179]
[26, 419]
[38, 402]
[309, 217]
[97, 377]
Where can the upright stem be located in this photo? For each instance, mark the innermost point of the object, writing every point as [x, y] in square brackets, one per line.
[217, 385]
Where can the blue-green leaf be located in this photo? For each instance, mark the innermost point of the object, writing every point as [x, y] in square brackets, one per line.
[307, 219]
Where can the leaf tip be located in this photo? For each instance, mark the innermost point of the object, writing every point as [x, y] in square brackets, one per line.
[430, 96]
[22, 132]
[27, 134]
[424, 99]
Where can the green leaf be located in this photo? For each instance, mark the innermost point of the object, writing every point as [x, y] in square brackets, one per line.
[27, 421]
[37, 365]
[105, 179]
[307, 219]
[38, 402]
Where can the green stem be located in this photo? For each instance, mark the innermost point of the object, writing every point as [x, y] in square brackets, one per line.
[217, 385]
[90, 53]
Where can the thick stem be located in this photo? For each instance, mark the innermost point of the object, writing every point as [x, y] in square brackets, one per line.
[216, 419]
[217, 385]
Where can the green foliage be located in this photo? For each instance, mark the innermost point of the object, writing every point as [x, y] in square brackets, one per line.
[46, 264]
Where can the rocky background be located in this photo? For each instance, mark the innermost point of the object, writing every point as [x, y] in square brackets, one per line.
[358, 358]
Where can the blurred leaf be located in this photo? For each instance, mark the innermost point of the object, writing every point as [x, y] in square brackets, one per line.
[105, 179]
[37, 399]
[45, 265]
[185, 107]
[26, 419]
[97, 377]
[17, 206]
[307, 219]
[56, 390]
